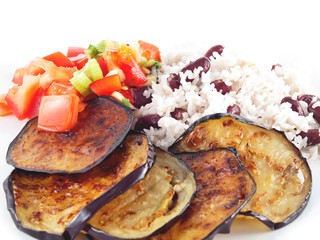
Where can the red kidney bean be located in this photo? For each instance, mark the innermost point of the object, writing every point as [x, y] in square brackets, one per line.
[274, 66]
[138, 97]
[174, 81]
[177, 113]
[315, 110]
[313, 136]
[234, 109]
[203, 62]
[217, 48]
[295, 105]
[308, 98]
[148, 121]
[221, 86]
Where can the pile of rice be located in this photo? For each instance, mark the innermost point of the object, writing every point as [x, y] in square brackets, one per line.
[257, 91]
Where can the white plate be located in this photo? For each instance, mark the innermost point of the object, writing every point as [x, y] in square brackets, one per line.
[270, 31]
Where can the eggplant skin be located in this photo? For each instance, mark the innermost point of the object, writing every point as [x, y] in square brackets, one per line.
[224, 187]
[57, 206]
[282, 175]
[149, 206]
[101, 127]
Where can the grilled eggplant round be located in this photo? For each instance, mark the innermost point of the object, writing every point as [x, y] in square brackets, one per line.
[148, 206]
[224, 187]
[282, 175]
[101, 127]
[57, 206]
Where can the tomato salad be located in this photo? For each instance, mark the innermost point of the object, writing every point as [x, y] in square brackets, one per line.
[55, 88]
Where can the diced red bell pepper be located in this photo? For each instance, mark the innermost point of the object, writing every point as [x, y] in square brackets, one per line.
[59, 59]
[4, 107]
[19, 98]
[103, 66]
[150, 51]
[58, 113]
[107, 85]
[111, 58]
[134, 74]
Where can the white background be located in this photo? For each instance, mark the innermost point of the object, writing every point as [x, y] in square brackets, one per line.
[285, 32]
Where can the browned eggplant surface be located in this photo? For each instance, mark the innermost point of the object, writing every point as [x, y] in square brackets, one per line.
[224, 186]
[57, 206]
[150, 204]
[283, 177]
[101, 127]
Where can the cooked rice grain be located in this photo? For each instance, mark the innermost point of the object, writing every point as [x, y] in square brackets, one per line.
[257, 91]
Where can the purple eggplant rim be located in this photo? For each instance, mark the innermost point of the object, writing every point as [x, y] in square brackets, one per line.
[110, 150]
[79, 221]
[225, 226]
[99, 234]
[268, 222]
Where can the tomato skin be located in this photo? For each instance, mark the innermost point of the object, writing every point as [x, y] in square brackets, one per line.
[19, 98]
[107, 85]
[31, 69]
[75, 51]
[149, 51]
[59, 59]
[58, 113]
[79, 60]
[35, 103]
[4, 107]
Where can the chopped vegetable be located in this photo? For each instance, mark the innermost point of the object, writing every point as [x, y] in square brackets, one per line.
[58, 113]
[4, 107]
[107, 68]
[150, 51]
[19, 98]
[59, 59]
[82, 83]
[107, 85]
[95, 70]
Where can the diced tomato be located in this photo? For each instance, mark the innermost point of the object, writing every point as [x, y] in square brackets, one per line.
[19, 98]
[53, 73]
[61, 88]
[127, 94]
[103, 65]
[58, 113]
[134, 74]
[80, 60]
[35, 103]
[4, 107]
[149, 51]
[107, 85]
[82, 106]
[111, 58]
[75, 51]
[59, 59]
[31, 69]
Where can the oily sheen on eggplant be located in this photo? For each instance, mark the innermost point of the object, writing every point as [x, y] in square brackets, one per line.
[57, 206]
[224, 187]
[151, 204]
[282, 175]
[101, 127]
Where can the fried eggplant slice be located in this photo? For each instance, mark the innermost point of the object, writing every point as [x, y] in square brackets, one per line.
[101, 127]
[57, 206]
[282, 175]
[149, 205]
[224, 187]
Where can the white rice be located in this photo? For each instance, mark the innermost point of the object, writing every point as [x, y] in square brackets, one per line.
[257, 91]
